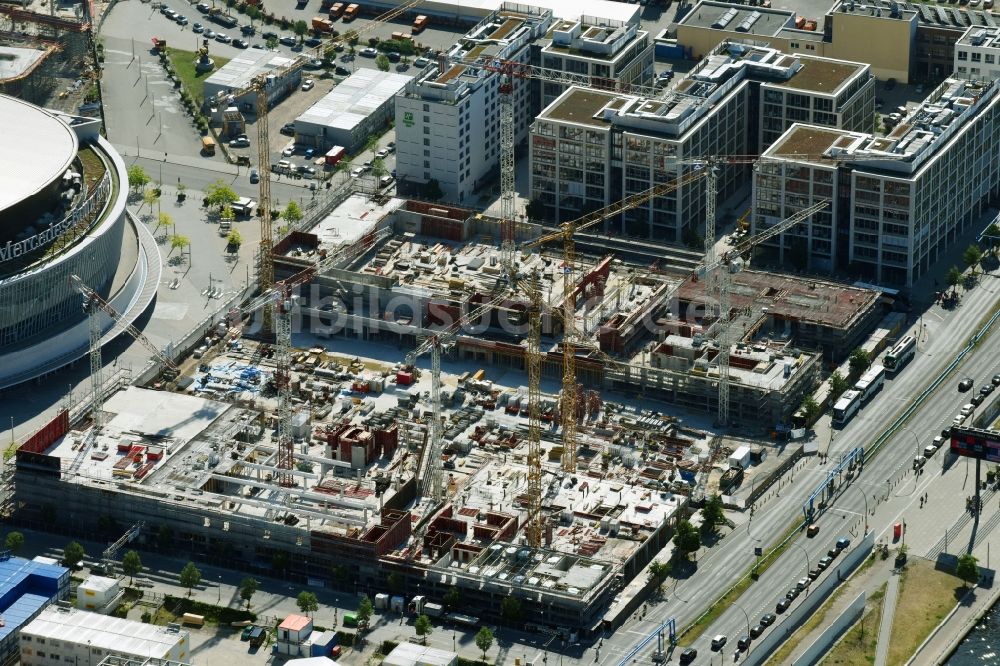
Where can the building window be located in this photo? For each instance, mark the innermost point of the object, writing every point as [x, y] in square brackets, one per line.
[977, 57]
[427, 142]
[427, 108]
[794, 45]
[427, 164]
[963, 55]
[427, 130]
[990, 58]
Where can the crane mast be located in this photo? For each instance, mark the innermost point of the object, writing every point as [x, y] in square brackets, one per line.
[534, 363]
[265, 259]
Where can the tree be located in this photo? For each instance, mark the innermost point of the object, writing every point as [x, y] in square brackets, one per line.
[131, 565]
[351, 37]
[164, 220]
[687, 539]
[307, 602]
[234, 239]
[248, 587]
[451, 597]
[432, 190]
[712, 514]
[837, 385]
[859, 361]
[179, 242]
[382, 62]
[292, 213]
[395, 582]
[953, 277]
[968, 569]
[220, 194]
[378, 167]
[535, 210]
[271, 42]
[993, 236]
[423, 626]
[809, 408]
[484, 640]
[658, 572]
[364, 612]
[150, 197]
[73, 554]
[300, 29]
[15, 540]
[190, 577]
[138, 179]
[510, 609]
[972, 256]
[227, 213]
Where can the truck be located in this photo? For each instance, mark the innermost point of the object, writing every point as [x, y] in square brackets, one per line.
[351, 12]
[419, 24]
[402, 37]
[334, 155]
[350, 620]
[336, 11]
[225, 20]
[322, 24]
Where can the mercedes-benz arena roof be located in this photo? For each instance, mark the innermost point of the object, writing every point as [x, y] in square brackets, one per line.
[35, 149]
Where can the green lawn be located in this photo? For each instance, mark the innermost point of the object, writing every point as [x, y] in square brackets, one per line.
[926, 596]
[193, 81]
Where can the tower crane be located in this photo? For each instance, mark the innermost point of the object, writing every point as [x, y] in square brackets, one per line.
[259, 86]
[430, 466]
[565, 233]
[94, 305]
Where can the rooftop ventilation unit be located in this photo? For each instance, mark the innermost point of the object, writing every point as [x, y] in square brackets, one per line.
[978, 37]
[725, 19]
[748, 22]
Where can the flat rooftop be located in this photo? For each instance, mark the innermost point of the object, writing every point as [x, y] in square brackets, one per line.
[39, 152]
[104, 632]
[821, 74]
[804, 141]
[16, 62]
[979, 37]
[724, 16]
[354, 99]
[804, 300]
[580, 105]
[239, 71]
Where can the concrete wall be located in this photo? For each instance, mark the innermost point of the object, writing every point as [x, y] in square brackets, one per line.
[884, 42]
[826, 640]
[769, 644]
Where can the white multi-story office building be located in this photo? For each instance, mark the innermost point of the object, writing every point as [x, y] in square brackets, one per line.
[977, 54]
[448, 118]
[898, 202]
[590, 148]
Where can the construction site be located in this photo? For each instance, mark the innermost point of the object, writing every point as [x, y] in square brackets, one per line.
[410, 411]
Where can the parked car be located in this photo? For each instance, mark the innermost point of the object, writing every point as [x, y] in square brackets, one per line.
[965, 384]
[369, 52]
[248, 30]
[308, 84]
[254, 176]
[313, 42]
[315, 63]
[288, 129]
[241, 43]
[198, 28]
[792, 594]
[386, 181]
[757, 630]
[269, 35]
[341, 71]
[240, 142]
[203, 7]
[718, 642]
[767, 619]
[289, 151]
[181, 20]
[287, 41]
[209, 33]
[310, 152]
[803, 583]
[382, 153]
[842, 543]
[223, 38]
[421, 62]
[393, 56]
[357, 172]
[743, 643]
[782, 606]
[824, 562]
[986, 389]
[996, 380]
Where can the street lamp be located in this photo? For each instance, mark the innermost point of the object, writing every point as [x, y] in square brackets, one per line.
[220, 590]
[806, 553]
[864, 496]
[747, 617]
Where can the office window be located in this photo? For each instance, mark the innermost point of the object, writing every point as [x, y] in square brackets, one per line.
[427, 107]
[990, 59]
[977, 57]
[427, 142]
[427, 130]
[427, 164]
[963, 55]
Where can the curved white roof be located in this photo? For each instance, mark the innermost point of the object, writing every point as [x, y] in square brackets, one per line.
[35, 149]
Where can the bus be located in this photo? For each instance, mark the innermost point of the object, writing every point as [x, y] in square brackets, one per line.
[900, 355]
[846, 407]
[871, 382]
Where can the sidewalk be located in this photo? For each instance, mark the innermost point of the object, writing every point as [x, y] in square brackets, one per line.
[888, 612]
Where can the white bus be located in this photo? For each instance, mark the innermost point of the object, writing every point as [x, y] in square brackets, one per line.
[846, 407]
[900, 355]
[871, 382]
